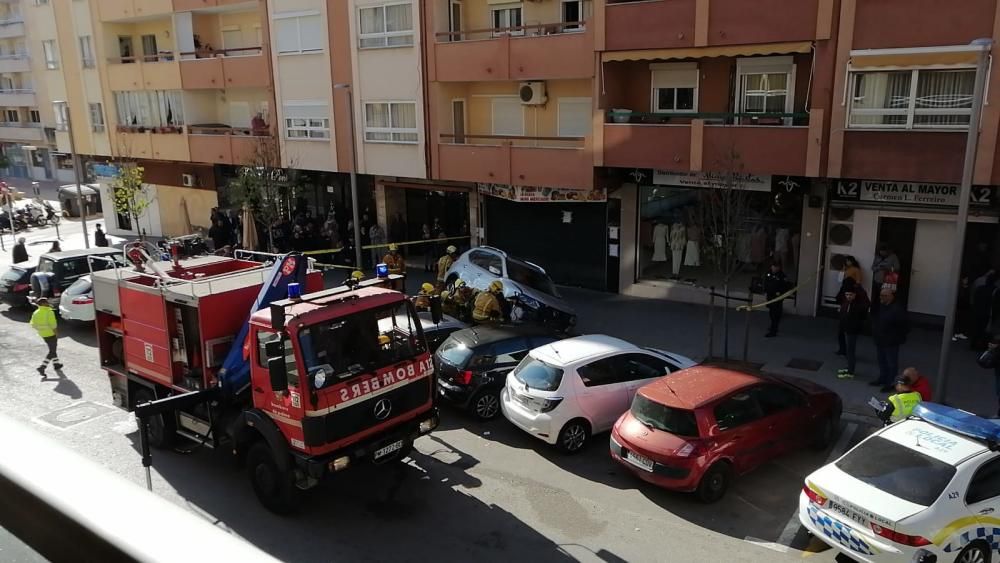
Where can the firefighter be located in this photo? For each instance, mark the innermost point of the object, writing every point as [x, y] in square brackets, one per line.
[448, 305]
[462, 296]
[43, 320]
[487, 308]
[396, 265]
[444, 264]
[357, 276]
[422, 301]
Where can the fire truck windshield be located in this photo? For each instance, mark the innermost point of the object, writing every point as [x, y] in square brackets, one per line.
[339, 349]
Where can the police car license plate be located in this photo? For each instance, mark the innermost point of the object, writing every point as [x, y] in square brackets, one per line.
[386, 450]
[848, 512]
[642, 462]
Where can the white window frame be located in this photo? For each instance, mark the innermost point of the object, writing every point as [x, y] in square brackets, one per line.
[86, 45]
[586, 12]
[61, 112]
[493, 124]
[297, 16]
[385, 35]
[313, 132]
[494, 8]
[675, 76]
[391, 129]
[96, 117]
[50, 53]
[911, 110]
[559, 114]
[34, 116]
[746, 66]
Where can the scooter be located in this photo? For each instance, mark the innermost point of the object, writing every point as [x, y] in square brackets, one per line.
[5, 222]
[37, 214]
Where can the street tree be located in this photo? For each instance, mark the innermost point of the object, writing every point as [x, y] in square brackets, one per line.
[262, 184]
[131, 196]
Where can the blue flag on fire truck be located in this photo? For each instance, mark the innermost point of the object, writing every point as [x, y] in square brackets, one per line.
[235, 372]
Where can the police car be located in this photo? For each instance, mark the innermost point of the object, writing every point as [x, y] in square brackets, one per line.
[923, 489]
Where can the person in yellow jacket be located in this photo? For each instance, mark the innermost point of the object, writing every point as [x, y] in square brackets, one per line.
[422, 301]
[394, 261]
[444, 264]
[904, 401]
[487, 308]
[462, 296]
[43, 320]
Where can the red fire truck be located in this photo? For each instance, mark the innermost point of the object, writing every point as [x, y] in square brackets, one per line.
[233, 354]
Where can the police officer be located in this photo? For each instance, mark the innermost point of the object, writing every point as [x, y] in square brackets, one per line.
[43, 320]
[775, 283]
[487, 308]
[904, 400]
[444, 264]
[422, 301]
[396, 265]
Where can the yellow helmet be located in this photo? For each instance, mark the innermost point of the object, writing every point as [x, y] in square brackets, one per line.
[357, 275]
[444, 295]
[496, 286]
[459, 283]
[427, 288]
[383, 340]
[393, 247]
[451, 249]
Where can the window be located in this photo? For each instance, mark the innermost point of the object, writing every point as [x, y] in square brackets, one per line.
[505, 17]
[149, 50]
[34, 116]
[388, 25]
[158, 108]
[510, 351]
[62, 116]
[575, 11]
[675, 87]
[636, 367]
[530, 276]
[766, 84]
[11, 116]
[487, 261]
[898, 470]
[601, 372]
[49, 48]
[776, 398]
[508, 116]
[574, 117]
[86, 52]
[536, 374]
[985, 484]
[96, 117]
[668, 419]
[299, 33]
[912, 99]
[307, 120]
[736, 411]
[391, 122]
[291, 367]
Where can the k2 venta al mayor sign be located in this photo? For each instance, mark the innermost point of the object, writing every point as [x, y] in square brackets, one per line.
[910, 193]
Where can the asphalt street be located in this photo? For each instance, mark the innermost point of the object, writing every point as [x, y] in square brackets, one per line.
[471, 491]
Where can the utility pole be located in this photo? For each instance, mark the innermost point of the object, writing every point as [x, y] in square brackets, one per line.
[63, 105]
[354, 175]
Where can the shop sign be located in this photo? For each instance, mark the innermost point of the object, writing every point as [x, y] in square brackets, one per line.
[542, 195]
[718, 180]
[910, 193]
[104, 170]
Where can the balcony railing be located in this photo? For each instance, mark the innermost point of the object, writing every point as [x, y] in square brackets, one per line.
[797, 119]
[535, 30]
[12, 20]
[17, 91]
[163, 129]
[162, 56]
[513, 140]
[226, 130]
[525, 161]
[13, 56]
[212, 53]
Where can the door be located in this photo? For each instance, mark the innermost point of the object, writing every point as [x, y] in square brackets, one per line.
[125, 48]
[782, 409]
[934, 241]
[640, 369]
[458, 120]
[455, 21]
[742, 430]
[983, 494]
[149, 49]
[603, 396]
[899, 235]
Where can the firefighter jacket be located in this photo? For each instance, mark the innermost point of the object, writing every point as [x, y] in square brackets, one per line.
[487, 308]
[43, 320]
[444, 264]
[395, 263]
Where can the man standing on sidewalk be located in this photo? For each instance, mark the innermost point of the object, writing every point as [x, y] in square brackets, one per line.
[853, 310]
[20, 252]
[775, 283]
[889, 329]
[43, 320]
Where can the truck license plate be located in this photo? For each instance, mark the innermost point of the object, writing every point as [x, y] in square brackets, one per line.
[386, 450]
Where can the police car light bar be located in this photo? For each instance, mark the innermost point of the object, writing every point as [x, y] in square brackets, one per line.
[962, 422]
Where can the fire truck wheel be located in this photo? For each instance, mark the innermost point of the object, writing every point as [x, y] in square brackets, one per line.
[274, 488]
[162, 433]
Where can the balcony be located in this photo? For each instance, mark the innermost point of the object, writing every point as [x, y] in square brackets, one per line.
[160, 143]
[117, 10]
[11, 28]
[17, 98]
[191, 5]
[512, 160]
[15, 63]
[21, 132]
[224, 145]
[547, 51]
[227, 68]
[758, 143]
[920, 156]
[154, 72]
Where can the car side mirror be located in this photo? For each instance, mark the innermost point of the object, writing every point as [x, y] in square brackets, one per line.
[276, 368]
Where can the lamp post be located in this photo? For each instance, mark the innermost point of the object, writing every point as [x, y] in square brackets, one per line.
[63, 108]
[354, 174]
[982, 48]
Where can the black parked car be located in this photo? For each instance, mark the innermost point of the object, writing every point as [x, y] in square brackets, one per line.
[472, 364]
[15, 284]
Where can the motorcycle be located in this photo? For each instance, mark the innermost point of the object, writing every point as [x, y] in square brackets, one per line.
[6, 220]
[41, 214]
[883, 410]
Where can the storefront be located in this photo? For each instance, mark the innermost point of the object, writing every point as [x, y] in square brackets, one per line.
[917, 222]
[404, 208]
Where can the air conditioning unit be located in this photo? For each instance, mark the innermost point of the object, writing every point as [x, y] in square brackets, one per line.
[532, 93]
[188, 180]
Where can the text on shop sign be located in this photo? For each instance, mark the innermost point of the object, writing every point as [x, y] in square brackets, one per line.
[910, 193]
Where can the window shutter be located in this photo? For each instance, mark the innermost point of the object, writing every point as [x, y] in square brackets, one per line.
[286, 32]
[311, 33]
[574, 118]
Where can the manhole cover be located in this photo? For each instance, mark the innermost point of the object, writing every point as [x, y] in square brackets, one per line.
[804, 364]
[74, 414]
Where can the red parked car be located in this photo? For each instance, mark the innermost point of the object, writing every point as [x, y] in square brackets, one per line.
[698, 428]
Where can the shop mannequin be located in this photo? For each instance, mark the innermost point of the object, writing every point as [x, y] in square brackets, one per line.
[659, 242]
[678, 240]
[781, 237]
[692, 255]
[758, 245]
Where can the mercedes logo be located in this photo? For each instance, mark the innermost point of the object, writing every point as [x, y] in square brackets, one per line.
[382, 409]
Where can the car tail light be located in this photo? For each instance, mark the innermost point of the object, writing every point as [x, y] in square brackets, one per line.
[815, 497]
[83, 300]
[464, 377]
[693, 448]
[913, 541]
[538, 404]
[21, 287]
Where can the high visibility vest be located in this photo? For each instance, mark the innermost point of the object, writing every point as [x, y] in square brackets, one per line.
[43, 320]
[903, 404]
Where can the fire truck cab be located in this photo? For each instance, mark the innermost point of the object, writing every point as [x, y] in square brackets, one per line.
[211, 350]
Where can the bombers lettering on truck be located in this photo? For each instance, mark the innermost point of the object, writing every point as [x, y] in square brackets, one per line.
[387, 378]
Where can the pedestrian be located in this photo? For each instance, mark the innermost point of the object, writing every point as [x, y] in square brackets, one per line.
[889, 329]
[100, 238]
[963, 306]
[851, 270]
[56, 247]
[918, 383]
[990, 359]
[775, 284]
[20, 253]
[377, 235]
[903, 401]
[853, 311]
[425, 235]
[43, 320]
[983, 299]
[885, 261]
[220, 234]
[444, 264]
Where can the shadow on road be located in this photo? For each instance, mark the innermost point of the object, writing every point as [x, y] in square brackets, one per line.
[65, 386]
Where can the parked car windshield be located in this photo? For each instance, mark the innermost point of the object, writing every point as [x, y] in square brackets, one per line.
[661, 417]
[530, 276]
[80, 286]
[898, 470]
[46, 265]
[536, 374]
[455, 352]
[14, 275]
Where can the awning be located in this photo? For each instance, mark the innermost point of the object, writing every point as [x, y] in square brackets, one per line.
[708, 52]
[958, 55]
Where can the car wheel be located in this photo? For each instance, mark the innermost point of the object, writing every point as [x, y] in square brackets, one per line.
[162, 432]
[574, 436]
[975, 552]
[826, 432]
[274, 487]
[714, 483]
[486, 404]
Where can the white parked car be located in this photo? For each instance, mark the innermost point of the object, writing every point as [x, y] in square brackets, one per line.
[566, 391]
[923, 488]
[77, 302]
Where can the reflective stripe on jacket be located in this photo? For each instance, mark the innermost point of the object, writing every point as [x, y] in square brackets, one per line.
[903, 404]
[43, 320]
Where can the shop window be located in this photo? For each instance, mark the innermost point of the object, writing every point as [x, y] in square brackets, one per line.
[912, 99]
[678, 242]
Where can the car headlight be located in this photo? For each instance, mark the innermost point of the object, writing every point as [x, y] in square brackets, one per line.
[529, 302]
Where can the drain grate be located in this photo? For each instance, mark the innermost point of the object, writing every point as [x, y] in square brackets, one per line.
[75, 414]
[804, 364]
